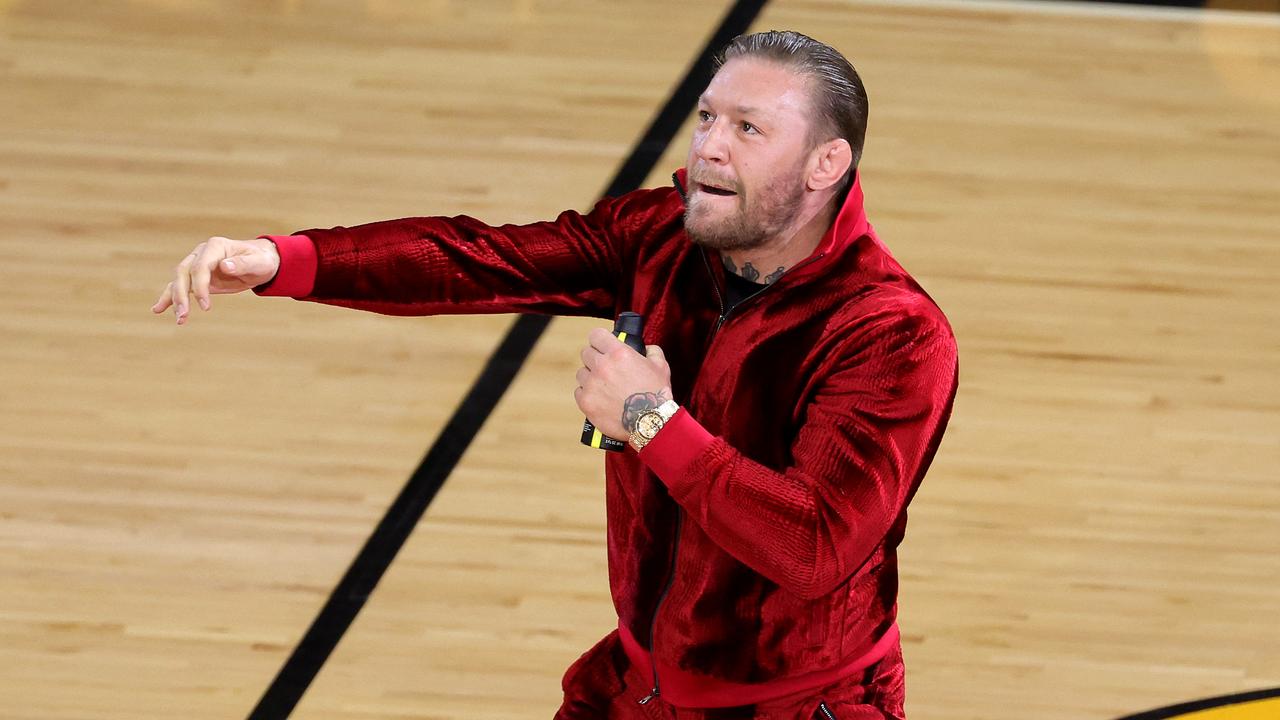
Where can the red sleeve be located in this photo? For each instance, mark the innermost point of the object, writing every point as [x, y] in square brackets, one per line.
[868, 436]
[572, 265]
[297, 272]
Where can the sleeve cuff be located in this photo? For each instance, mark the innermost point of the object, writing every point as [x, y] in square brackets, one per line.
[672, 451]
[296, 277]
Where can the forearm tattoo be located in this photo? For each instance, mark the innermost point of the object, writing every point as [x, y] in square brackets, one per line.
[638, 404]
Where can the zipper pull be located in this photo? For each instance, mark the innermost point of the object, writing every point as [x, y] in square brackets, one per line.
[652, 694]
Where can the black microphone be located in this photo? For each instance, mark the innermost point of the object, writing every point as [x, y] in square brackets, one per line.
[629, 328]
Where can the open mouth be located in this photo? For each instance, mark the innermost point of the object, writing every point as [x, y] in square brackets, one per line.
[713, 190]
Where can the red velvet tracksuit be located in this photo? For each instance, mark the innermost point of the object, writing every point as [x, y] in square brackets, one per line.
[752, 544]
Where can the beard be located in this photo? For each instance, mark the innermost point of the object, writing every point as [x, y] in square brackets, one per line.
[756, 219]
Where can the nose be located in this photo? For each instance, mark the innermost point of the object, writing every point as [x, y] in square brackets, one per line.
[710, 144]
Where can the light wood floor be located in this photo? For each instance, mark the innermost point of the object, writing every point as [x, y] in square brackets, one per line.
[1093, 196]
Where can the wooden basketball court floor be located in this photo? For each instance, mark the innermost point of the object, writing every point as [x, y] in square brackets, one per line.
[1092, 194]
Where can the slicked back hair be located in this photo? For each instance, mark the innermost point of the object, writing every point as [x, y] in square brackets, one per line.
[839, 99]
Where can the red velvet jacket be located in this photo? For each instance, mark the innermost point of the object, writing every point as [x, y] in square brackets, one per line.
[752, 544]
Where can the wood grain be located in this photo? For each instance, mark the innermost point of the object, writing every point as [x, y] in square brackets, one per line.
[1093, 198]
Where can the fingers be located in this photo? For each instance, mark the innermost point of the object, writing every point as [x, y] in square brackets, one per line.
[233, 268]
[207, 255]
[164, 301]
[590, 357]
[181, 286]
[603, 340]
[653, 352]
[212, 255]
[192, 277]
[601, 343]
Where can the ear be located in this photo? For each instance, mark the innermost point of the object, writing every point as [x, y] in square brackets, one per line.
[830, 163]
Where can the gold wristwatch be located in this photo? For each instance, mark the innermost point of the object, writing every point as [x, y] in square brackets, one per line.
[650, 422]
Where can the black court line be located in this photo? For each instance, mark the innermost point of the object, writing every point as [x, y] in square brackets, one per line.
[1187, 708]
[295, 676]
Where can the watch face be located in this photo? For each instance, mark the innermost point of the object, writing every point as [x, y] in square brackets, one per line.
[649, 424]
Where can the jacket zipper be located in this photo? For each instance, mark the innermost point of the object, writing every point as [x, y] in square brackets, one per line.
[719, 298]
[653, 624]
[656, 691]
[675, 550]
[826, 711]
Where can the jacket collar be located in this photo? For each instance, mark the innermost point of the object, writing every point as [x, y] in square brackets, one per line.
[850, 225]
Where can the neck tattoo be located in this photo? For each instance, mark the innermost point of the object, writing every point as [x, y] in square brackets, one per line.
[749, 272]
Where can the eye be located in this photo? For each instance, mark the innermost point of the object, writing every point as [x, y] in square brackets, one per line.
[704, 116]
[749, 128]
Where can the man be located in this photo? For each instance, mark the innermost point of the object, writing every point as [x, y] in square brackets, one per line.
[796, 387]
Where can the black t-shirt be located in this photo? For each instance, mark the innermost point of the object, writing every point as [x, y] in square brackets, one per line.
[737, 289]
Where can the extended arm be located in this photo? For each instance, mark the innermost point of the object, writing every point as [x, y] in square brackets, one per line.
[574, 264]
[432, 265]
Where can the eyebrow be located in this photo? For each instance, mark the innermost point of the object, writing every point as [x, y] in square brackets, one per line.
[741, 109]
